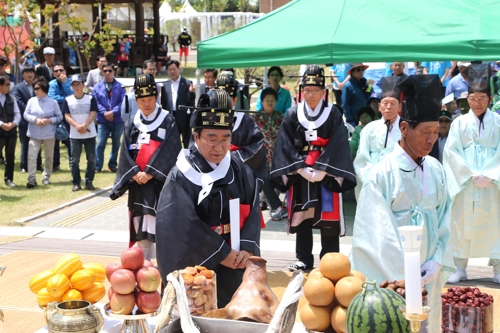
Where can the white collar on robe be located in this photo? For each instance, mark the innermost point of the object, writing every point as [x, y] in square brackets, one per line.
[486, 119]
[311, 125]
[154, 125]
[205, 180]
[239, 117]
[399, 152]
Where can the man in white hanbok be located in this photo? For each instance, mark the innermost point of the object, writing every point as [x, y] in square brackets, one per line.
[407, 188]
[379, 137]
[472, 165]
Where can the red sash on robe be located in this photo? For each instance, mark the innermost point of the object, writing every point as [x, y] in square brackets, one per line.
[234, 147]
[145, 153]
[311, 158]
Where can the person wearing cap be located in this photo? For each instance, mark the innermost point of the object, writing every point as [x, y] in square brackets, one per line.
[444, 129]
[373, 102]
[472, 165]
[269, 121]
[129, 106]
[10, 117]
[379, 137]
[23, 91]
[95, 75]
[463, 106]
[365, 116]
[247, 141]
[149, 148]
[284, 102]
[407, 188]
[80, 111]
[312, 162]
[355, 92]
[175, 92]
[184, 40]
[109, 95]
[458, 84]
[194, 226]
[45, 69]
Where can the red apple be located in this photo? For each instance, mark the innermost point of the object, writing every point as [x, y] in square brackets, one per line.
[148, 279]
[148, 263]
[123, 281]
[111, 292]
[111, 268]
[148, 302]
[122, 304]
[132, 258]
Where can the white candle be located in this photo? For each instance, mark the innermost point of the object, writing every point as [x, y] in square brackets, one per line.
[413, 283]
[411, 240]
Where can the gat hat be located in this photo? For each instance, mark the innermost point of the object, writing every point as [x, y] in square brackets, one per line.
[389, 86]
[356, 65]
[214, 111]
[28, 69]
[145, 86]
[49, 50]
[463, 64]
[446, 114]
[479, 79]
[76, 78]
[422, 97]
[314, 76]
[227, 82]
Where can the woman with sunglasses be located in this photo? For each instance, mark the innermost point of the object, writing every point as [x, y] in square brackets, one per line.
[43, 114]
[355, 93]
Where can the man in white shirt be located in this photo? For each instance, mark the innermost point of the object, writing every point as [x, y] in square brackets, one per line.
[80, 111]
[178, 91]
[95, 76]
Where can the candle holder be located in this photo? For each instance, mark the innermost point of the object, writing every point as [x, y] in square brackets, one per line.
[414, 318]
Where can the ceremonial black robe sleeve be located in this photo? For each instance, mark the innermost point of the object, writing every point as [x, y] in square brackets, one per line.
[182, 238]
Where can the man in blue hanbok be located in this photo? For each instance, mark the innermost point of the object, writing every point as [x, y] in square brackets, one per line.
[379, 137]
[472, 164]
[407, 188]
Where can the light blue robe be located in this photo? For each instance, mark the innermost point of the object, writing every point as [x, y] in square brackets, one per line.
[391, 198]
[371, 148]
[475, 212]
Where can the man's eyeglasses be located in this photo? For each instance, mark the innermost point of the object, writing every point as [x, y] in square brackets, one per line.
[58, 70]
[311, 91]
[212, 143]
[36, 88]
[108, 71]
[478, 100]
[445, 120]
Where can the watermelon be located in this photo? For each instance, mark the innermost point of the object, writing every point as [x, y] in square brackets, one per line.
[376, 311]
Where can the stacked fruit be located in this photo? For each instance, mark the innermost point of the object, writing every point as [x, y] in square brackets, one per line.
[329, 290]
[133, 281]
[69, 280]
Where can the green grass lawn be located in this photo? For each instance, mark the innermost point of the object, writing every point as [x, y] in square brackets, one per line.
[18, 202]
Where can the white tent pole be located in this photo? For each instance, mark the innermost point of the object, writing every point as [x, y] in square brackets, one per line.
[265, 78]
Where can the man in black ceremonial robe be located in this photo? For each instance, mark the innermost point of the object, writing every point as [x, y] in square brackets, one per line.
[150, 145]
[312, 162]
[193, 225]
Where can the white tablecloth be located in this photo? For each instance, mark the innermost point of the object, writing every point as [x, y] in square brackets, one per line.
[112, 325]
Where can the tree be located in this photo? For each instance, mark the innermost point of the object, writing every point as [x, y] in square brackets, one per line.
[106, 39]
[172, 29]
[19, 26]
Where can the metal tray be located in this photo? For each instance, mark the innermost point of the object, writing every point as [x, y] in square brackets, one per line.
[210, 325]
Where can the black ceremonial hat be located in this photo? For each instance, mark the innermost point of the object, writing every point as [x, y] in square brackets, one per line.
[422, 97]
[145, 86]
[227, 82]
[314, 76]
[389, 86]
[479, 78]
[214, 111]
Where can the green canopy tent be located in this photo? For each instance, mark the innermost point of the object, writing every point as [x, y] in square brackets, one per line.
[338, 31]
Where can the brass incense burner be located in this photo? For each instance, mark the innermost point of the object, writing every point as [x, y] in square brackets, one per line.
[73, 316]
